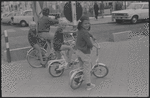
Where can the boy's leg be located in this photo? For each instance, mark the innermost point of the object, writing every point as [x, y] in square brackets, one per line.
[36, 46]
[70, 50]
[58, 54]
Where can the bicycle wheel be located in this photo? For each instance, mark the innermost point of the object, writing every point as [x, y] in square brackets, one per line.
[100, 71]
[33, 58]
[53, 69]
[76, 79]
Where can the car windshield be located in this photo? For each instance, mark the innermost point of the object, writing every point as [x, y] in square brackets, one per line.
[135, 6]
[11, 14]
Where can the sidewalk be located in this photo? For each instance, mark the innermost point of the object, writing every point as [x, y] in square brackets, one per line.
[127, 63]
[93, 21]
[106, 19]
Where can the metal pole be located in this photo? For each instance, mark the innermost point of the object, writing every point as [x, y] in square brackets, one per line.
[74, 18]
[7, 47]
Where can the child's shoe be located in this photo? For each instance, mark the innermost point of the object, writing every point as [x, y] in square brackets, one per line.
[90, 86]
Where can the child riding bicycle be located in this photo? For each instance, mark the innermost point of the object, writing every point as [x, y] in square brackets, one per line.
[33, 39]
[84, 47]
[59, 44]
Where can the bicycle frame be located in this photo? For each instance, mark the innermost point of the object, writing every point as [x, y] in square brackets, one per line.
[42, 46]
[63, 60]
[97, 54]
[97, 59]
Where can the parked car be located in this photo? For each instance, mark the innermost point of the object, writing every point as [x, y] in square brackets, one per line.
[133, 13]
[4, 15]
[7, 18]
[24, 18]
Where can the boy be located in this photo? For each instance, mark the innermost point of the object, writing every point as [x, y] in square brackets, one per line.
[59, 44]
[33, 40]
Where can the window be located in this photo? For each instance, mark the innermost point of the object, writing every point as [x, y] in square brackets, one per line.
[28, 13]
[135, 6]
[138, 6]
[146, 6]
[17, 14]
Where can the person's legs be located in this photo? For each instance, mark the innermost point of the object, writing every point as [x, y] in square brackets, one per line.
[69, 52]
[37, 47]
[102, 13]
[58, 54]
[50, 37]
[87, 68]
[96, 14]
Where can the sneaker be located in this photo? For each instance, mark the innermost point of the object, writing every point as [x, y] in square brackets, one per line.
[91, 86]
[43, 65]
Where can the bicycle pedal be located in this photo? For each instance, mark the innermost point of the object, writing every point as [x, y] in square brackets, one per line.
[58, 71]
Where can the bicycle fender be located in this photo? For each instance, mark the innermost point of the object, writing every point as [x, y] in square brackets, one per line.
[52, 61]
[99, 64]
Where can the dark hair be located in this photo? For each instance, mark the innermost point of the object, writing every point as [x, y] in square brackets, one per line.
[79, 27]
[45, 11]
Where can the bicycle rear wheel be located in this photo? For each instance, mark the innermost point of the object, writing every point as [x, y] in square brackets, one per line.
[33, 58]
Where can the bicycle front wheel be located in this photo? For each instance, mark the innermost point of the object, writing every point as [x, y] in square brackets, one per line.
[76, 80]
[100, 71]
[33, 58]
[53, 69]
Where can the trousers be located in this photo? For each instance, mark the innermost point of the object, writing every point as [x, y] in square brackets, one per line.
[86, 58]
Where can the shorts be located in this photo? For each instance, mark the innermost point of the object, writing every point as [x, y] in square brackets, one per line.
[57, 47]
[32, 40]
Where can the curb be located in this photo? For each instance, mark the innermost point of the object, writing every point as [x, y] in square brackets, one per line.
[121, 36]
[17, 54]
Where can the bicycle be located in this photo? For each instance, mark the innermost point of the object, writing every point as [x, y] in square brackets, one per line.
[77, 76]
[54, 64]
[32, 55]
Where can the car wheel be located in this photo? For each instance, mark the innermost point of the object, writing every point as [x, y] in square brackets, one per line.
[118, 21]
[23, 23]
[134, 19]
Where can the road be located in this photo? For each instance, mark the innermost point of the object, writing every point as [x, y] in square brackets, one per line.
[127, 61]
[18, 35]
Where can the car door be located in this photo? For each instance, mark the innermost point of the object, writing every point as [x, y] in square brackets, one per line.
[17, 17]
[145, 11]
[28, 16]
[7, 18]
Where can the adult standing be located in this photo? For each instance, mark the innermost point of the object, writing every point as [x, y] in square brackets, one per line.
[96, 8]
[118, 6]
[102, 9]
[111, 8]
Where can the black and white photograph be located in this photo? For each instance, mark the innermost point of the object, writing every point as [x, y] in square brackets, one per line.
[75, 48]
